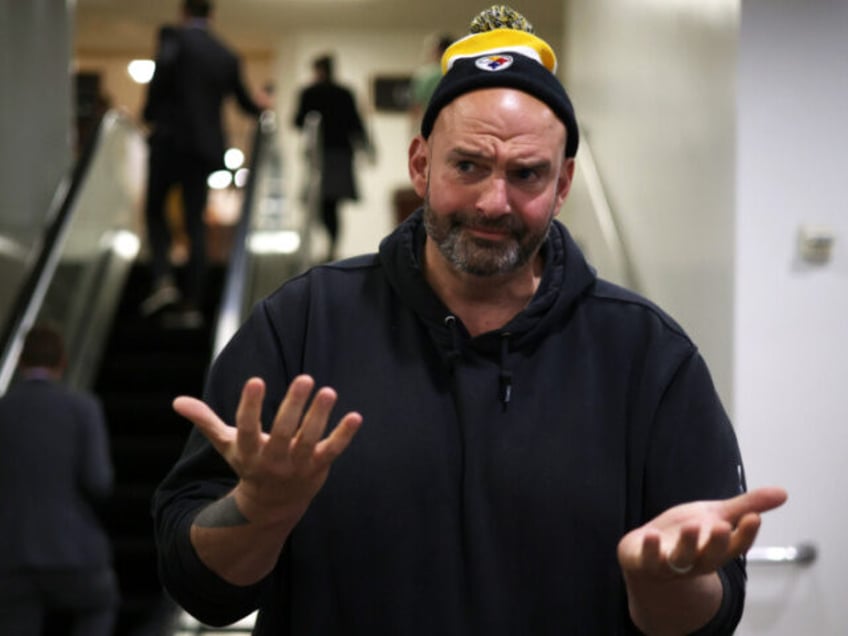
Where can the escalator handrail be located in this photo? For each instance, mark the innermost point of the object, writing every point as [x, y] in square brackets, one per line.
[232, 297]
[48, 250]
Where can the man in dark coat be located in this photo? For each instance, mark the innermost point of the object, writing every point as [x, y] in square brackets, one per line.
[195, 72]
[55, 470]
[342, 132]
[468, 432]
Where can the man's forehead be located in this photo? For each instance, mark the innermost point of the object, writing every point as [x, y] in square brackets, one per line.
[506, 110]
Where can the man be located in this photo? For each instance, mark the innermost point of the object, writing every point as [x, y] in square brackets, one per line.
[517, 447]
[55, 470]
[342, 132]
[195, 72]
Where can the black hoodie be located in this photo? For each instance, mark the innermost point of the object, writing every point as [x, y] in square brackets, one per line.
[493, 476]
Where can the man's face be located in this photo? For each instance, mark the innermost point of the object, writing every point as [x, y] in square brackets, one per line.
[495, 177]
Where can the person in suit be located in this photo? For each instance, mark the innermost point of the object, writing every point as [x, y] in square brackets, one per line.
[55, 472]
[195, 72]
[342, 132]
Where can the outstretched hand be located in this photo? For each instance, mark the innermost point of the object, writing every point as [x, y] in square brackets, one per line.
[282, 470]
[696, 538]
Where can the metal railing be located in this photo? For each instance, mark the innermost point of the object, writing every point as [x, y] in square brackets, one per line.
[80, 262]
[232, 306]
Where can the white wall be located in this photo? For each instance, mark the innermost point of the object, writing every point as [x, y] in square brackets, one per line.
[791, 325]
[653, 87]
[791, 332]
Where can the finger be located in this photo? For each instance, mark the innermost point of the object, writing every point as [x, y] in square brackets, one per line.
[338, 440]
[289, 414]
[682, 555]
[758, 500]
[746, 532]
[207, 422]
[249, 415]
[651, 554]
[315, 422]
[715, 551]
[313, 426]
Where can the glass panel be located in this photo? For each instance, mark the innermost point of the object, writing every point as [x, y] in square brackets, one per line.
[100, 241]
[272, 240]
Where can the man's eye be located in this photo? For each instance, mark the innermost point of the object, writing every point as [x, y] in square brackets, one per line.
[526, 174]
[465, 166]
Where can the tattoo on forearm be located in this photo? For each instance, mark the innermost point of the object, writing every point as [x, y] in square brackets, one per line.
[221, 514]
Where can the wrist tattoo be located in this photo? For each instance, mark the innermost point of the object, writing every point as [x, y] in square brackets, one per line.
[223, 513]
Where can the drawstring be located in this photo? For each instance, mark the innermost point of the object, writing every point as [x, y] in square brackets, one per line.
[506, 374]
[455, 351]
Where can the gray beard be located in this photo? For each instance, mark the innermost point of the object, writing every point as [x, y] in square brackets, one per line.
[477, 256]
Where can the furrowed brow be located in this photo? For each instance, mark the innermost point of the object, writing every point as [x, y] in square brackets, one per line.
[466, 154]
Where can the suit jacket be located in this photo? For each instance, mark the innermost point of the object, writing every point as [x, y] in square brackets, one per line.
[195, 72]
[55, 468]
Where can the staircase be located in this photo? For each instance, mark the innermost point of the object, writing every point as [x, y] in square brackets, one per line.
[146, 364]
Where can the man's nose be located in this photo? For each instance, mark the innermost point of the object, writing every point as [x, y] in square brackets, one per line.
[494, 197]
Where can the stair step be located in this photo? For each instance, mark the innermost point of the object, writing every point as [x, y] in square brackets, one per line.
[143, 372]
[145, 366]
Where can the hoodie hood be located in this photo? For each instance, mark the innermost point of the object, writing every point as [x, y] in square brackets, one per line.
[566, 277]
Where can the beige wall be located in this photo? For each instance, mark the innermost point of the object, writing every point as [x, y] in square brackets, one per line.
[653, 86]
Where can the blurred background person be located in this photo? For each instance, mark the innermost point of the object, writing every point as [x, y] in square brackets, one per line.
[426, 77]
[55, 474]
[342, 133]
[195, 72]
[421, 86]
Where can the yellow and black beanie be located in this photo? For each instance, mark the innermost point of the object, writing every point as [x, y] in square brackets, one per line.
[502, 51]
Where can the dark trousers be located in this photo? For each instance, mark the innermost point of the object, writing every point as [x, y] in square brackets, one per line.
[330, 219]
[168, 167]
[86, 600]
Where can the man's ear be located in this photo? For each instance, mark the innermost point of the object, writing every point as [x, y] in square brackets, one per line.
[419, 160]
[566, 177]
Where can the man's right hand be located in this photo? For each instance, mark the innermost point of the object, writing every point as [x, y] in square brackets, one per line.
[279, 473]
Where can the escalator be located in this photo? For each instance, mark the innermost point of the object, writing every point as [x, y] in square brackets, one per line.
[147, 362]
[85, 275]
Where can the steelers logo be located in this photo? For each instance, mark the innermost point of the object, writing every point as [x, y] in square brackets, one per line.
[494, 62]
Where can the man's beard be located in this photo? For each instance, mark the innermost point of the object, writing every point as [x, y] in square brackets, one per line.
[477, 256]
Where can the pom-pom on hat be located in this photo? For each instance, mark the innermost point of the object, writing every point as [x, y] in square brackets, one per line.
[502, 51]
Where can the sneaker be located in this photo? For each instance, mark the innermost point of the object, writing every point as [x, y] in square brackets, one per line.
[164, 294]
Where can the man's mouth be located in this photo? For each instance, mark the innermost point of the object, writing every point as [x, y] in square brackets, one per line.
[488, 233]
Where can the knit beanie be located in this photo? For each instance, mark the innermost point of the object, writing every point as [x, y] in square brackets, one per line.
[502, 51]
